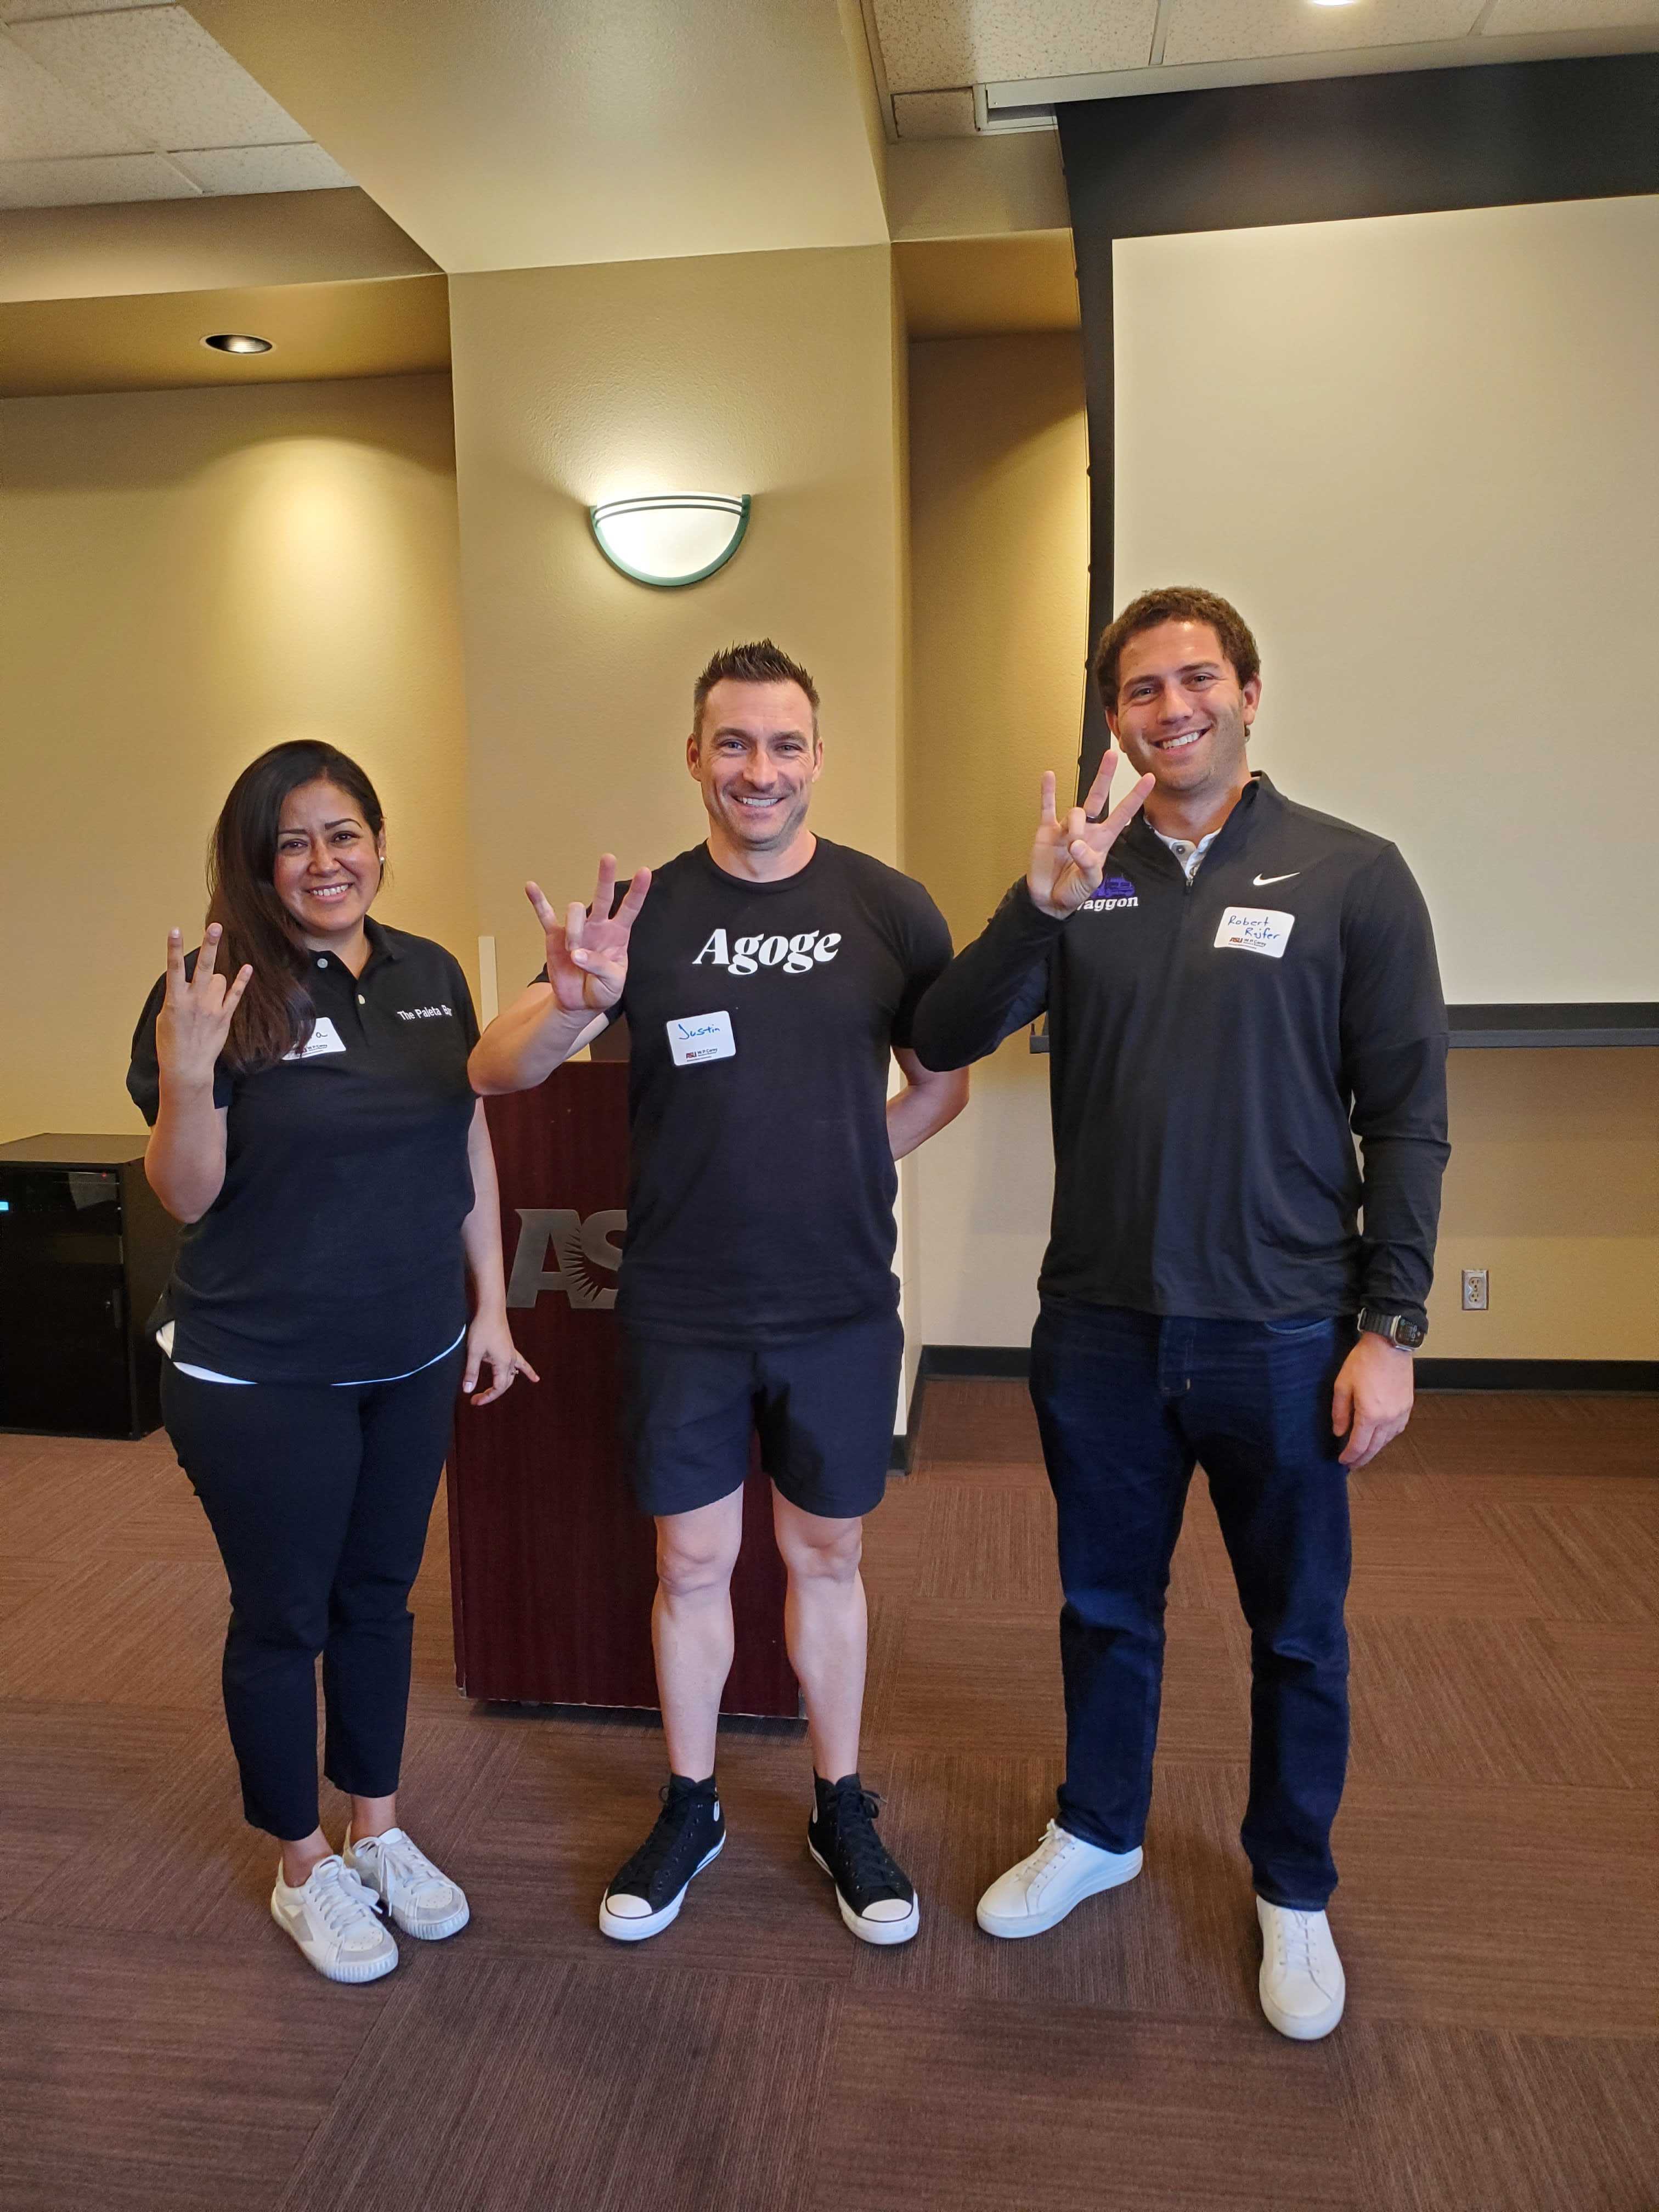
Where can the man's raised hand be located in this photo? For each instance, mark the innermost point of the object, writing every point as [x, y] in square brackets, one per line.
[587, 952]
[195, 1018]
[1069, 857]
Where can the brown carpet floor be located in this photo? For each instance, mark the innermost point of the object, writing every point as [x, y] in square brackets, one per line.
[161, 2046]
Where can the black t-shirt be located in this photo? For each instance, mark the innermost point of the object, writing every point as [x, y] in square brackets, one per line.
[333, 1252]
[761, 1199]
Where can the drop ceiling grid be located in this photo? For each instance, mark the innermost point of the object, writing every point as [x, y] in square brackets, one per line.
[1515, 18]
[133, 102]
[932, 45]
[927, 44]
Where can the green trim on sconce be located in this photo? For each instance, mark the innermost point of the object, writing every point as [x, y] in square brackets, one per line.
[711, 502]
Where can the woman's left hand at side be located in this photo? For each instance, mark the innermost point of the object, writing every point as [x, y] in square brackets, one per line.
[489, 1344]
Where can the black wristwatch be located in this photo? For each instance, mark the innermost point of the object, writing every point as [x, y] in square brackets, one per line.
[1395, 1328]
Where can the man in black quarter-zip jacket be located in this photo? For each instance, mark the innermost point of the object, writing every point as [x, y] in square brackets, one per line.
[1235, 987]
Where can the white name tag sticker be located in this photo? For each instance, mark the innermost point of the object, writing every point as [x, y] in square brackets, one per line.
[697, 1037]
[1255, 929]
[324, 1038]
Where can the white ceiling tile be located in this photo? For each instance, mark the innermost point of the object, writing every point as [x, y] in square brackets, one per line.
[1514, 18]
[40, 118]
[1249, 30]
[158, 70]
[88, 182]
[264, 169]
[33, 11]
[934, 114]
[928, 43]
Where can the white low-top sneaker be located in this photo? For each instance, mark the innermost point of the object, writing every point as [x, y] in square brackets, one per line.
[1037, 1894]
[331, 1917]
[1302, 1985]
[420, 1897]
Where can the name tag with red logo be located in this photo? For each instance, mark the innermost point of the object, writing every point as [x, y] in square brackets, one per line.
[697, 1037]
[1255, 929]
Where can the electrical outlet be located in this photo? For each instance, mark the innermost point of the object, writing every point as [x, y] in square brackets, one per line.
[1474, 1289]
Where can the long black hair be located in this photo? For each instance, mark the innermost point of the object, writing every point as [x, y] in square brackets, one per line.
[276, 1015]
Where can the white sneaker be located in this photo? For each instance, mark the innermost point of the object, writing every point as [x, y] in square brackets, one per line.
[420, 1897]
[1302, 1985]
[331, 1917]
[1037, 1894]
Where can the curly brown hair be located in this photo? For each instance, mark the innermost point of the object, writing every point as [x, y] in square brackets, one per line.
[1175, 603]
[761, 662]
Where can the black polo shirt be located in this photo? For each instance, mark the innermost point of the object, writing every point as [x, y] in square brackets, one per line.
[333, 1251]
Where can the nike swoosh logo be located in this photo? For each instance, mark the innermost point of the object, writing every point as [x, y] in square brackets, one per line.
[1260, 880]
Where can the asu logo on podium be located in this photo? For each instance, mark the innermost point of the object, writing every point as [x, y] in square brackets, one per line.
[557, 1251]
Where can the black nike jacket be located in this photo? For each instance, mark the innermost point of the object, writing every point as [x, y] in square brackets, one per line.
[1215, 1047]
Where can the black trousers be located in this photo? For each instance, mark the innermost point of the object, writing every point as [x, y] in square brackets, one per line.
[318, 1499]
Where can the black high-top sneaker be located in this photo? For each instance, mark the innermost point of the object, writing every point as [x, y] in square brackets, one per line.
[647, 1893]
[873, 1891]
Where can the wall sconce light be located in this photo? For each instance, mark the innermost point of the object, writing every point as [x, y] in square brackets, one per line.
[672, 539]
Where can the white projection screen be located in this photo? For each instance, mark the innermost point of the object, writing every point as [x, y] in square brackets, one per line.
[1421, 453]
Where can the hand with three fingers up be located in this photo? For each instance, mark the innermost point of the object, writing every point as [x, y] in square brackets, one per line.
[587, 952]
[1068, 858]
[195, 1019]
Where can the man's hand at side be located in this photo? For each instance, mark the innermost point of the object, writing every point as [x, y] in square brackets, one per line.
[1372, 1400]
[1069, 858]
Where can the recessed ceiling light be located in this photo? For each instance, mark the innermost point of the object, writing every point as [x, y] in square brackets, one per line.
[237, 341]
[1332, 4]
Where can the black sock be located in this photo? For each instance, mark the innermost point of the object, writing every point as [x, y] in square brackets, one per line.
[682, 1785]
[825, 1793]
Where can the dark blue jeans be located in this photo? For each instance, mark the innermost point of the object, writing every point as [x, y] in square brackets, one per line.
[1129, 1403]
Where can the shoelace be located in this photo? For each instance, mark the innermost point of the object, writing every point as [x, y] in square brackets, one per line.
[868, 1864]
[406, 1869]
[664, 1838]
[338, 1896]
[1294, 1946]
[1047, 1857]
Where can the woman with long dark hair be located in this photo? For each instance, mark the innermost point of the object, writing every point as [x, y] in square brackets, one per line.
[305, 1078]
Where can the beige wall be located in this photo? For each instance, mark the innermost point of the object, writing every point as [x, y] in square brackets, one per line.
[998, 596]
[1554, 1181]
[768, 373]
[184, 578]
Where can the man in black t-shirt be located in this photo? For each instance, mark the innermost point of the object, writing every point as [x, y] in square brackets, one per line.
[767, 979]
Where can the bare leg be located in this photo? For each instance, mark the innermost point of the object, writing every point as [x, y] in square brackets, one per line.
[299, 1858]
[692, 1626]
[372, 1816]
[825, 1628]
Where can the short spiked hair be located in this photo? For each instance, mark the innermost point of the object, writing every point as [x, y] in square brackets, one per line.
[1175, 603]
[759, 662]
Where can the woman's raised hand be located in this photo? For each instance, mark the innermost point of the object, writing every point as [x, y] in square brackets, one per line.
[195, 1018]
[587, 952]
[1069, 857]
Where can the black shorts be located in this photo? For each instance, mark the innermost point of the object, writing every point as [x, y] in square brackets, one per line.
[822, 1405]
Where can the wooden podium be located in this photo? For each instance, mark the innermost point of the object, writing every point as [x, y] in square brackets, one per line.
[553, 1565]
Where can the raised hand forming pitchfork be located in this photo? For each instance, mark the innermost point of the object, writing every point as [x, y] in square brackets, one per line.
[587, 952]
[1068, 858]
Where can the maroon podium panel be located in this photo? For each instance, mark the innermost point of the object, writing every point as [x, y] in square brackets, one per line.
[553, 1565]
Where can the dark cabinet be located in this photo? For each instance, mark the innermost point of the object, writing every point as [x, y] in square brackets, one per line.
[85, 1250]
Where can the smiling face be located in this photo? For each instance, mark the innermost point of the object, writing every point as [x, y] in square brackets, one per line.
[756, 754]
[329, 864]
[1182, 717]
